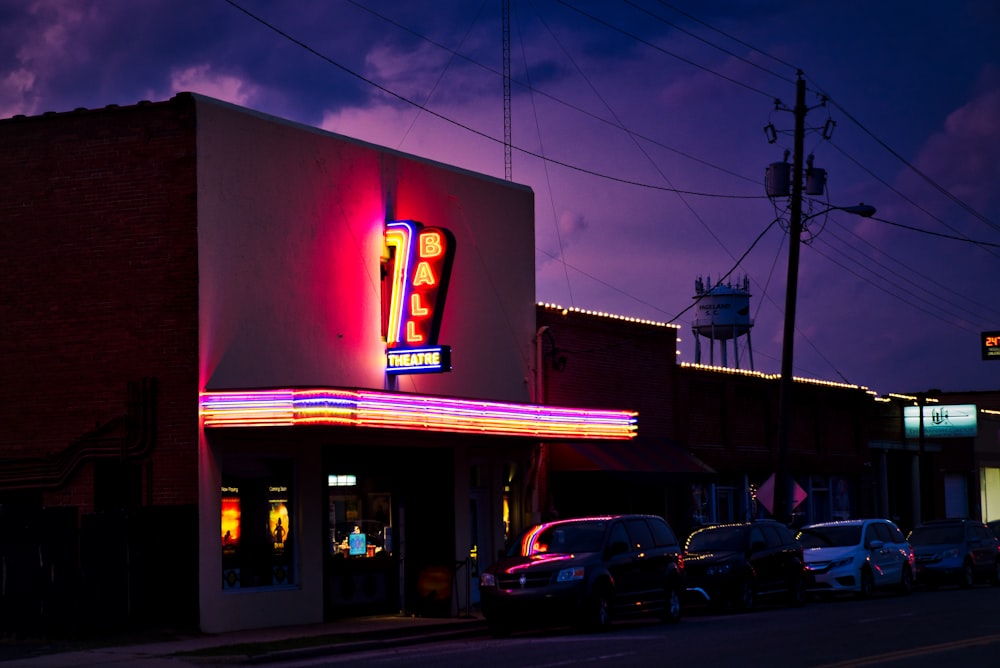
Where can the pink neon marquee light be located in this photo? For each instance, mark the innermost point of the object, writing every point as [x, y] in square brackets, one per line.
[383, 410]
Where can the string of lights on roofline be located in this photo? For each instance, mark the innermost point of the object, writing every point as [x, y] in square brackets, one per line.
[572, 309]
[690, 365]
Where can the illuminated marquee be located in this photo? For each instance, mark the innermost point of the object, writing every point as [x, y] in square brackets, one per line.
[417, 265]
[382, 410]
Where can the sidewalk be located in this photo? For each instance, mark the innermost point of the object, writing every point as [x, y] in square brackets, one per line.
[260, 646]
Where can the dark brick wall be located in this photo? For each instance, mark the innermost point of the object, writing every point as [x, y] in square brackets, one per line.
[99, 287]
[606, 362]
[729, 420]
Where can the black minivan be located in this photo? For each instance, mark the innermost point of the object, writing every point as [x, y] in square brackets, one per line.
[584, 572]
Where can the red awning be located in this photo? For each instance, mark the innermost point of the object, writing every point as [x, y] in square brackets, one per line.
[629, 457]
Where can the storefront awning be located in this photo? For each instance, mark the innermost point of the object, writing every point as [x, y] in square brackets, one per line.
[630, 457]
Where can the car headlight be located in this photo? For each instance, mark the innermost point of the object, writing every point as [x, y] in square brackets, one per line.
[487, 580]
[570, 574]
[841, 562]
[953, 553]
[720, 569]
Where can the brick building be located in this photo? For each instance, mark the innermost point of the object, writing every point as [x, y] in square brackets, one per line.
[707, 437]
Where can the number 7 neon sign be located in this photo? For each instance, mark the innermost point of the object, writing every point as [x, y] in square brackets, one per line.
[418, 266]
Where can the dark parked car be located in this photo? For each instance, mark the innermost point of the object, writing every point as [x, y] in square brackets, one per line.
[733, 564]
[585, 572]
[957, 551]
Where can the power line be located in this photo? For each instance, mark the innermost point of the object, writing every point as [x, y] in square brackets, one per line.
[712, 44]
[467, 128]
[931, 182]
[537, 91]
[664, 51]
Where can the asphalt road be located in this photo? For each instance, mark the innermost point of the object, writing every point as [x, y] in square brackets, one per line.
[947, 627]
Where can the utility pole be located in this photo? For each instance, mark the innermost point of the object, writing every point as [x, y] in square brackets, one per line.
[784, 484]
[783, 495]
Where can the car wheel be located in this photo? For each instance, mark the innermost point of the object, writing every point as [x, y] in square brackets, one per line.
[867, 586]
[597, 612]
[906, 581]
[672, 605]
[968, 575]
[744, 595]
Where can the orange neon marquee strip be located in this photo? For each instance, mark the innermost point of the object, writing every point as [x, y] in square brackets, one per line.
[384, 410]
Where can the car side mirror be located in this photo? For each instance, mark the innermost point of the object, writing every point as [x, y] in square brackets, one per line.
[876, 545]
[617, 547]
[757, 546]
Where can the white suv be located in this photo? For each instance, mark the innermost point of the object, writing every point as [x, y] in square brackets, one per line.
[857, 556]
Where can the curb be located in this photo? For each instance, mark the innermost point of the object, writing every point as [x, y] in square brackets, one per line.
[384, 641]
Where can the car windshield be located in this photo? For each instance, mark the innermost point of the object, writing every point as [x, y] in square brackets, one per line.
[564, 538]
[831, 536]
[721, 539]
[931, 535]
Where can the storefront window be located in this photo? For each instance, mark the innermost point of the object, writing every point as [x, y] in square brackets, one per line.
[360, 522]
[257, 523]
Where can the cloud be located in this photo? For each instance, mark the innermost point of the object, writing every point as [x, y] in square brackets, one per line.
[962, 157]
[226, 87]
[41, 41]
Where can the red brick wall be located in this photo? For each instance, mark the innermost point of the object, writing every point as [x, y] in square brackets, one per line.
[98, 285]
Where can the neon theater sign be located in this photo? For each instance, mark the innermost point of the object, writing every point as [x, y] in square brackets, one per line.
[416, 268]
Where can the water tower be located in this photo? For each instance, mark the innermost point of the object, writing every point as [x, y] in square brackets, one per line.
[722, 312]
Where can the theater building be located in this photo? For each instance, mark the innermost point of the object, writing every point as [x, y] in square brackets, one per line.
[259, 373]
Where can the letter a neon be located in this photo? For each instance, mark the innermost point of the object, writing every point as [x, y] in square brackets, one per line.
[424, 275]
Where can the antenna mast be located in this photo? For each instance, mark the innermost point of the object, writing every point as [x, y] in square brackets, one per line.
[506, 91]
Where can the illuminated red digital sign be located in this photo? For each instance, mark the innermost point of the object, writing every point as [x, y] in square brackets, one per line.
[991, 345]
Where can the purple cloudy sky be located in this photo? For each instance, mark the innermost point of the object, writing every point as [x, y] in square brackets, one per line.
[649, 116]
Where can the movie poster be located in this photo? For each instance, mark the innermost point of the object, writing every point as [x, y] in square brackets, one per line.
[230, 520]
[278, 521]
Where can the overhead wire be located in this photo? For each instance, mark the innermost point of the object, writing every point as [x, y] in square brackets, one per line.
[867, 265]
[618, 124]
[657, 47]
[548, 160]
[440, 76]
[545, 168]
[635, 141]
[468, 128]
[542, 93]
[927, 179]
[933, 313]
[916, 275]
[907, 199]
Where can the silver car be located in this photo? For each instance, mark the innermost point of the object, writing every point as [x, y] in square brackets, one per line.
[857, 556]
